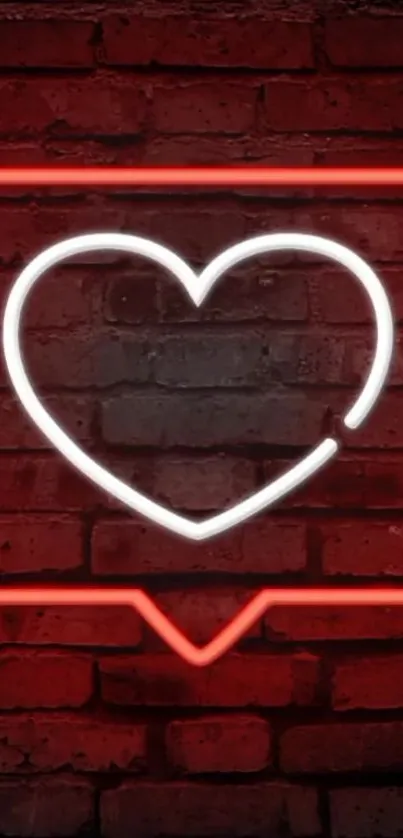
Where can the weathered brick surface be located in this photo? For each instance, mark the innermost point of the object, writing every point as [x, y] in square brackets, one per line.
[46, 807]
[215, 744]
[348, 103]
[79, 364]
[368, 748]
[145, 809]
[39, 743]
[127, 548]
[70, 107]
[205, 420]
[296, 732]
[366, 812]
[204, 108]
[47, 679]
[48, 307]
[80, 625]
[18, 433]
[371, 683]
[362, 548]
[181, 40]
[364, 42]
[31, 544]
[258, 680]
[333, 623]
[47, 43]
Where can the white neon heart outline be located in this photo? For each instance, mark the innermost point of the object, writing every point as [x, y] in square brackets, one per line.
[197, 287]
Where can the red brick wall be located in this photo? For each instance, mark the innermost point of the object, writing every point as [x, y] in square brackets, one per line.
[299, 730]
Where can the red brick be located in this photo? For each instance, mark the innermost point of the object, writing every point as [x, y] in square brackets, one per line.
[201, 420]
[49, 743]
[126, 547]
[330, 748]
[43, 484]
[373, 683]
[365, 42]
[230, 811]
[63, 298]
[164, 680]
[131, 298]
[272, 548]
[46, 43]
[341, 301]
[69, 107]
[348, 483]
[87, 362]
[211, 360]
[203, 484]
[366, 812]
[47, 483]
[191, 226]
[360, 355]
[371, 229]
[320, 358]
[219, 744]
[44, 680]
[250, 41]
[340, 150]
[72, 626]
[332, 623]
[24, 231]
[199, 149]
[202, 614]
[382, 430]
[17, 153]
[17, 430]
[84, 151]
[362, 548]
[383, 483]
[32, 543]
[252, 359]
[348, 103]
[205, 108]
[340, 485]
[46, 808]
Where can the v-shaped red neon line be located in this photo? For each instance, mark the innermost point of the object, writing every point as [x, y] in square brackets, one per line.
[173, 636]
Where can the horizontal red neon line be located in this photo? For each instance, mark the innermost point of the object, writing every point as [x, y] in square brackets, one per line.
[198, 176]
[227, 637]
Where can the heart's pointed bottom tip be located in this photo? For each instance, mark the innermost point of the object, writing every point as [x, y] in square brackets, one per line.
[246, 509]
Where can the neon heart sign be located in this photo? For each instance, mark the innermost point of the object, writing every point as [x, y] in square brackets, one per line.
[64, 595]
[197, 288]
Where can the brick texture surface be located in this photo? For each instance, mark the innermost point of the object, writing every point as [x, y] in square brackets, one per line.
[297, 731]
